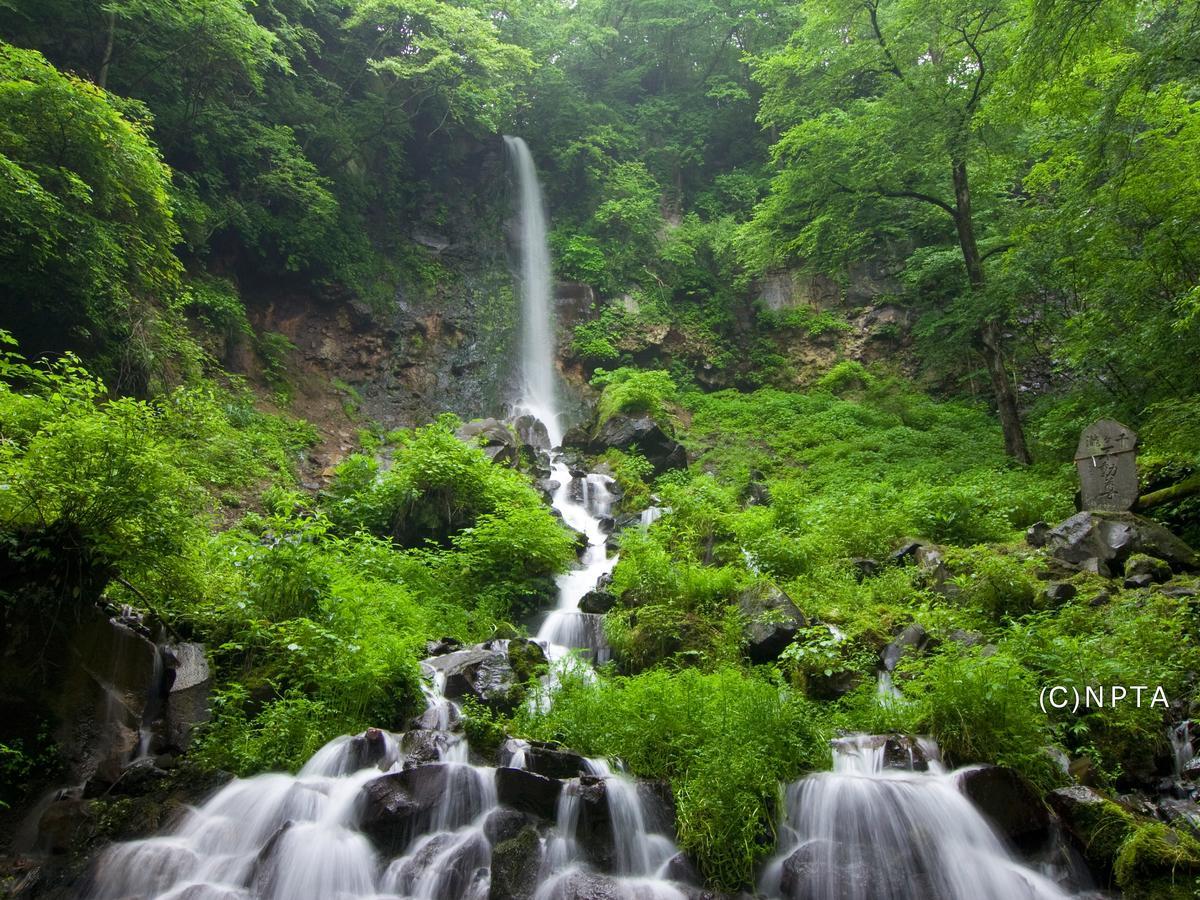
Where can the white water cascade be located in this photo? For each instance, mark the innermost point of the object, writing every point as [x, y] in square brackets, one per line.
[539, 394]
[582, 499]
[866, 832]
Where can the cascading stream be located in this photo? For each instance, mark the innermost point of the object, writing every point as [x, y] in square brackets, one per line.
[582, 500]
[867, 832]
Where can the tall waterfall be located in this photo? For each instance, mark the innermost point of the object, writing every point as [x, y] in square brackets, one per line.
[538, 396]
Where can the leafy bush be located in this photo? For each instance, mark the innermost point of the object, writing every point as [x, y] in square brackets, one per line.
[635, 392]
[724, 740]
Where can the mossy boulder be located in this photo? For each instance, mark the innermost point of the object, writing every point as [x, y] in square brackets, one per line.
[1144, 859]
[515, 864]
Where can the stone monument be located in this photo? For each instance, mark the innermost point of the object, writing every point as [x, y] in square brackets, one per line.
[1107, 463]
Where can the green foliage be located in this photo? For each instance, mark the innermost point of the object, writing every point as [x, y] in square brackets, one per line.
[725, 741]
[981, 708]
[635, 392]
[86, 230]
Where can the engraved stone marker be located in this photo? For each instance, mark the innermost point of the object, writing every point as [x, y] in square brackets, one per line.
[1107, 463]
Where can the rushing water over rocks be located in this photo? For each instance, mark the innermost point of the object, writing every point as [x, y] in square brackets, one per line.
[369, 816]
[889, 823]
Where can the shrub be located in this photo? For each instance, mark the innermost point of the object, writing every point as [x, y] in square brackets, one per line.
[635, 392]
[724, 740]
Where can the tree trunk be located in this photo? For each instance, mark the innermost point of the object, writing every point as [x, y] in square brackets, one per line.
[102, 75]
[991, 338]
[1188, 488]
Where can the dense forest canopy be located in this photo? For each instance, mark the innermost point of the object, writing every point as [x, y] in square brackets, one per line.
[866, 267]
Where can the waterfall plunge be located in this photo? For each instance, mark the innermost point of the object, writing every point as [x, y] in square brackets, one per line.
[538, 394]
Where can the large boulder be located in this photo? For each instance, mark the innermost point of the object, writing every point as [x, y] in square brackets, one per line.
[515, 865]
[531, 432]
[899, 751]
[643, 434]
[191, 684]
[114, 685]
[1097, 826]
[528, 792]
[1103, 541]
[494, 438]
[771, 620]
[1010, 802]
[396, 808]
[912, 640]
[578, 884]
[483, 674]
[818, 862]
[543, 759]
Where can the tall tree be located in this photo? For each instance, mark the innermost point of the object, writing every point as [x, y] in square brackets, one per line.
[882, 109]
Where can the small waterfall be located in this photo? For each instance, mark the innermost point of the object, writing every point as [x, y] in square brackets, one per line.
[866, 832]
[539, 395]
[567, 627]
[641, 855]
[1180, 737]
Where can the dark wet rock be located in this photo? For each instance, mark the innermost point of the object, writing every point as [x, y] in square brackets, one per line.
[531, 432]
[757, 494]
[396, 808]
[1037, 534]
[1180, 812]
[422, 747]
[492, 436]
[905, 554]
[583, 885]
[1180, 592]
[515, 865]
[575, 437]
[485, 675]
[503, 824]
[1010, 802]
[1136, 582]
[900, 751]
[431, 719]
[1097, 826]
[1060, 592]
[191, 685]
[553, 762]
[771, 620]
[1141, 564]
[1100, 599]
[1111, 538]
[606, 524]
[818, 862]
[594, 829]
[864, 567]
[912, 640]
[1191, 769]
[442, 646]
[114, 684]
[367, 749]
[658, 805]
[681, 868]
[820, 686]
[643, 434]
[965, 638]
[528, 792]
[140, 777]
[597, 601]
[65, 824]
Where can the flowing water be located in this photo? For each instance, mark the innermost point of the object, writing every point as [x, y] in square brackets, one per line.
[539, 393]
[860, 832]
[867, 832]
